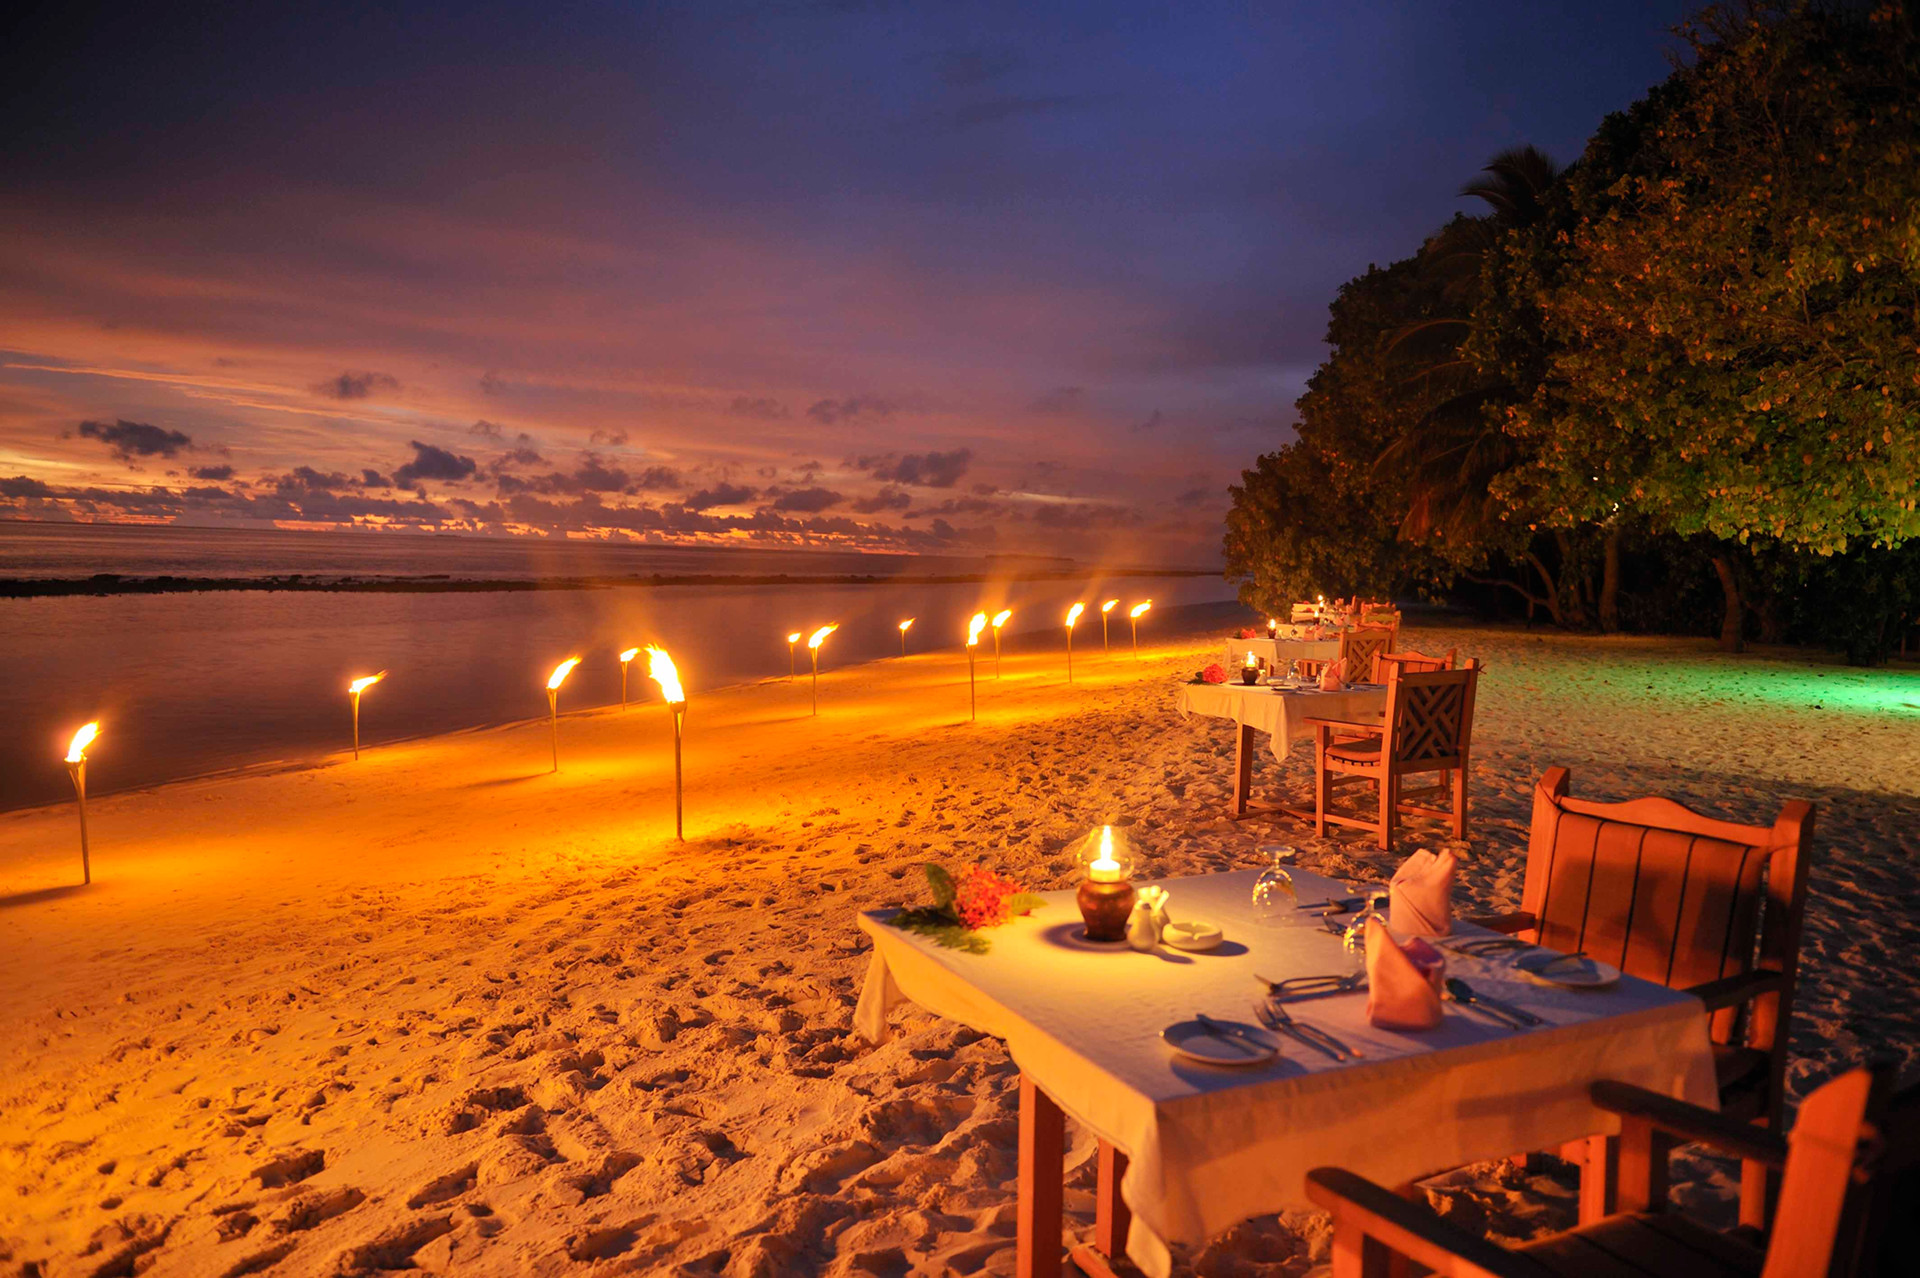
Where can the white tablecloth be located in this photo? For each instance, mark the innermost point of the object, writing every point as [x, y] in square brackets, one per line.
[1209, 1146]
[1279, 650]
[1281, 714]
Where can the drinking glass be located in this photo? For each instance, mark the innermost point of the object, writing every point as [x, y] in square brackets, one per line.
[1274, 897]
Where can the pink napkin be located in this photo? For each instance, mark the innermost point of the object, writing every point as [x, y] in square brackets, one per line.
[1400, 995]
[1420, 898]
[1330, 676]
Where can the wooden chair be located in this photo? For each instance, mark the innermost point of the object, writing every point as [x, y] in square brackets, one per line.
[1410, 663]
[1831, 1168]
[1359, 646]
[1427, 727]
[1686, 901]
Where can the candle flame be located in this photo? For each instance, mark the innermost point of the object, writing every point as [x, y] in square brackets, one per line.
[1073, 614]
[630, 654]
[819, 636]
[1105, 867]
[1000, 618]
[560, 673]
[1250, 660]
[77, 748]
[906, 624]
[1140, 609]
[660, 669]
[364, 682]
[974, 627]
[1108, 605]
[794, 637]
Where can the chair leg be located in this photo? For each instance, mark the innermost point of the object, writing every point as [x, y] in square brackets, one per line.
[1598, 1178]
[1758, 1185]
[1389, 800]
[1458, 779]
[1322, 791]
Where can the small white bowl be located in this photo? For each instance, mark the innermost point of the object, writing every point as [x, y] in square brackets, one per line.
[1190, 934]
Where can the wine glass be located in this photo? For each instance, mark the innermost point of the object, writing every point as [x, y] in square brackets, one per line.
[1275, 900]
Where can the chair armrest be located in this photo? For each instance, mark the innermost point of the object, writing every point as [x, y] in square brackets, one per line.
[1411, 1229]
[1374, 729]
[1690, 1122]
[1509, 923]
[1732, 991]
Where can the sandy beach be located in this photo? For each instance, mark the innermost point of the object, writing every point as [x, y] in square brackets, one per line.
[441, 1009]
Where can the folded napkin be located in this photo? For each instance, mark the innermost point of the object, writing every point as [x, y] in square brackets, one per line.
[1330, 675]
[1420, 898]
[1400, 996]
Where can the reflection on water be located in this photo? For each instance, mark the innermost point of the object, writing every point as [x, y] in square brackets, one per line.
[190, 683]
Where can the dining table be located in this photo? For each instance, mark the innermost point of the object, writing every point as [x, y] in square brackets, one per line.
[1187, 1148]
[1281, 653]
[1277, 710]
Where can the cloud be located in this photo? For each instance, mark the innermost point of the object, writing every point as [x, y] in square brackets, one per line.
[355, 385]
[760, 408]
[1061, 399]
[960, 506]
[492, 430]
[888, 498]
[828, 412]
[655, 479]
[1198, 496]
[810, 501]
[1152, 423]
[611, 438]
[430, 462]
[596, 476]
[374, 479]
[136, 439]
[928, 470]
[1098, 515]
[720, 495]
[520, 455]
[211, 472]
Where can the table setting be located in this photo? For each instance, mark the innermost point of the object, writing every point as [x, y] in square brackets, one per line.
[1319, 1014]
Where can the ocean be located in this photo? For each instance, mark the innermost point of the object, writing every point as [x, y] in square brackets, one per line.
[189, 683]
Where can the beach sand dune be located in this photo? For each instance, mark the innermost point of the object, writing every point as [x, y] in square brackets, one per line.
[441, 1009]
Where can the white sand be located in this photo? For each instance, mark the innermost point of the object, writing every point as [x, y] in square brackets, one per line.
[439, 1009]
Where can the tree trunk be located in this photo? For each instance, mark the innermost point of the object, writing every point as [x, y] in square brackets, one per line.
[1610, 584]
[1551, 601]
[1730, 620]
[1571, 575]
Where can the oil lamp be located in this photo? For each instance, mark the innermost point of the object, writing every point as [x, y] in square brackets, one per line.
[1250, 673]
[1106, 891]
[1273, 628]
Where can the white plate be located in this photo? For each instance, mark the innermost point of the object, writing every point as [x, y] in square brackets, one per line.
[1193, 935]
[1570, 973]
[1193, 1042]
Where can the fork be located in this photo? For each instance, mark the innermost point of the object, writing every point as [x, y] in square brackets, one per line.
[1274, 1016]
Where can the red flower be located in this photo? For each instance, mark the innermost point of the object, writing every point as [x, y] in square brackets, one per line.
[1215, 673]
[983, 898]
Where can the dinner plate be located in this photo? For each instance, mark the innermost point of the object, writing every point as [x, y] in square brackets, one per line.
[1571, 973]
[1191, 1040]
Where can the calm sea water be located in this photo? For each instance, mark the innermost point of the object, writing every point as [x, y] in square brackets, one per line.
[191, 683]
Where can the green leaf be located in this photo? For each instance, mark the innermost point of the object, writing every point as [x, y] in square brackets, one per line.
[942, 884]
[941, 929]
[1024, 903]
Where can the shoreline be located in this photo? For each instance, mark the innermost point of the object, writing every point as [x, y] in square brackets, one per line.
[102, 584]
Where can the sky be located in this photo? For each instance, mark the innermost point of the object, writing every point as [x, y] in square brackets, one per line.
[954, 278]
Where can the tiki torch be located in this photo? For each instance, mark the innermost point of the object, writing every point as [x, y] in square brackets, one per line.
[660, 669]
[1105, 608]
[77, 769]
[999, 620]
[974, 628]
[1138, 611]
[1073, 615]
[904, 627]
[554, 680]
[354, 690]
[626, 659]
[814, 641]
[792, 639]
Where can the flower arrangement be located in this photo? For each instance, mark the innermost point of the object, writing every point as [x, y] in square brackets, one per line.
[1248, 632]
[1215, 673]
[964, 904]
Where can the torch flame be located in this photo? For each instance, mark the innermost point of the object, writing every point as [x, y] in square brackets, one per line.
[364, 682]
[1140, 609]
[660, 669]
[560, 673]
[1073, 614]
[1000, 618]
[905, 625]
[794, 637]
[1108, 605]
[630, 654]
[819, 636]
[77, 748]
[974, 627]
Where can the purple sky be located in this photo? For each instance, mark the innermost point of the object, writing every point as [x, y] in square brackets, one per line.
[919, 276]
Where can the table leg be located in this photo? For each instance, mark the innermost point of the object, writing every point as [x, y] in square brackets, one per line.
[1242, 770]
[1105, 1257]
[1043, 1166]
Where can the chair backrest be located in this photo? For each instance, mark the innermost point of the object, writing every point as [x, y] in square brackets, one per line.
[1358, 648]
[1671, 896]
[1834, 1158]
[1429, 718]
[1410, 663]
